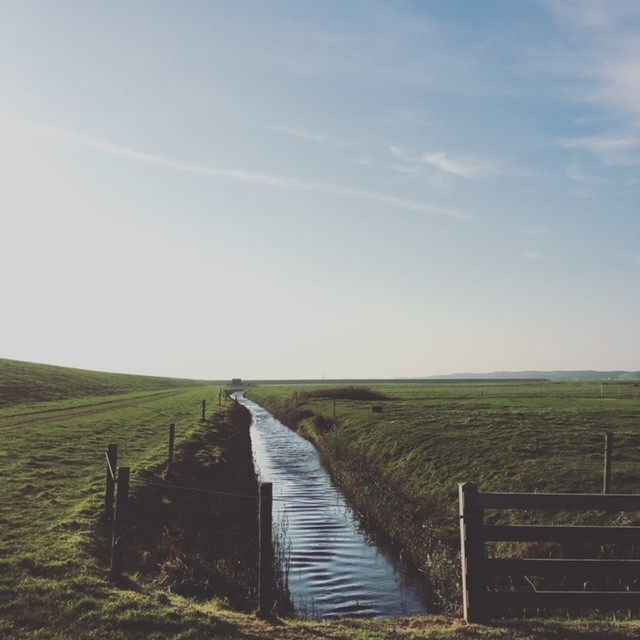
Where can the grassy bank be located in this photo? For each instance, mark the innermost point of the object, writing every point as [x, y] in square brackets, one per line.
[400, 452]
[54, 544]
[29, 383]
[185, 579]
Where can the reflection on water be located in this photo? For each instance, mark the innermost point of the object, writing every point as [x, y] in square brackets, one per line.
[335, 568]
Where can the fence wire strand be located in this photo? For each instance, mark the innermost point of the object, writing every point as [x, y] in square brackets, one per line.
[179, 532]
[287, 501]
[196, 490]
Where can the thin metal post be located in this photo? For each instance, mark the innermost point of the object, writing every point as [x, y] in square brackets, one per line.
[608, 451]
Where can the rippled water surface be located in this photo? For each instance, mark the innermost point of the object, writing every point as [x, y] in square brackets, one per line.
[335, 568]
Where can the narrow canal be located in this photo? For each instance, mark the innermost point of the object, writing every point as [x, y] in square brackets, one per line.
[335, 568]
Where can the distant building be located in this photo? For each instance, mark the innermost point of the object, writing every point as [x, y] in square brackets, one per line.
[236, 382]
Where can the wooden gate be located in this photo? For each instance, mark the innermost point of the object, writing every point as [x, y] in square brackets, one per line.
[480, 601]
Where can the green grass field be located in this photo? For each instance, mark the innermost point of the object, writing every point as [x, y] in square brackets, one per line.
[55, 425]
[54, 555]
[502, 436]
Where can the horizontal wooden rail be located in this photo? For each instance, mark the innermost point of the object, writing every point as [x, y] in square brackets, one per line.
[550, 533]
[559, 501]
[570, 568]
[496, 601]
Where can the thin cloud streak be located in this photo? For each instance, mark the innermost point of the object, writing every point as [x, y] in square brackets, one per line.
[252, 177]
[312, 136]
[464, 169]
[467, 167]
[611, 149]
[574, 172]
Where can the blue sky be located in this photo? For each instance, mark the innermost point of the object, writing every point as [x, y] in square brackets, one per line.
[339, 189]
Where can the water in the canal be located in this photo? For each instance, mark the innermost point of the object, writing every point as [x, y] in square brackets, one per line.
[336, 570]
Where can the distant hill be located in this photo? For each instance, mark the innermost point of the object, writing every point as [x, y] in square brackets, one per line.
[555, 376]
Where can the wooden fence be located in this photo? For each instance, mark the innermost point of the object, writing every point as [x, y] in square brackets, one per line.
[116, 504]
[481, 602]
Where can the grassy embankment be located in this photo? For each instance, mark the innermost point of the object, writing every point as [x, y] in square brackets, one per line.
[401, 464]
[55, 425]
[54, 582]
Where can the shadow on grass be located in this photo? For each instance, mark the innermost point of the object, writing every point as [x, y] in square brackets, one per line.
[198, 543]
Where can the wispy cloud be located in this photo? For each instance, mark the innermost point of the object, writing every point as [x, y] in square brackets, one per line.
[618, 150]
[634, 257]
[471, 168]
[399, 152]
[312, 136]
[396, 202]
[533, 255]
[133, 154]
[604, 51]
[252, 177]
[465, 168]
[409, 169]
[582, 195]
[365, 161]
[574, 172]
[593, 14]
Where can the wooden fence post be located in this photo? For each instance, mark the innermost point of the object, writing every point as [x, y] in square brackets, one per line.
[119, 522]
[608, 451]
[204, 408]
[265, 569]
[471, 552]
[112, 463]
[172, 440]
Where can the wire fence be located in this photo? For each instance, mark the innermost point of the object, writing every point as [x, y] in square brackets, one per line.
[117, 511]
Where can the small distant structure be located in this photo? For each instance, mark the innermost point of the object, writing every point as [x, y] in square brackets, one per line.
[236, 382]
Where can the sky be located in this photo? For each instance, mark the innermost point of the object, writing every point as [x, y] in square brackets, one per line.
[336, 189]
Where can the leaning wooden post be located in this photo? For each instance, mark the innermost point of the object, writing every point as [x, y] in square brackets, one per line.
[112, 463]
[265, 570]
[119, 522]
[471, 553]
[204, 409]
[172, 440]
[608, 451]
